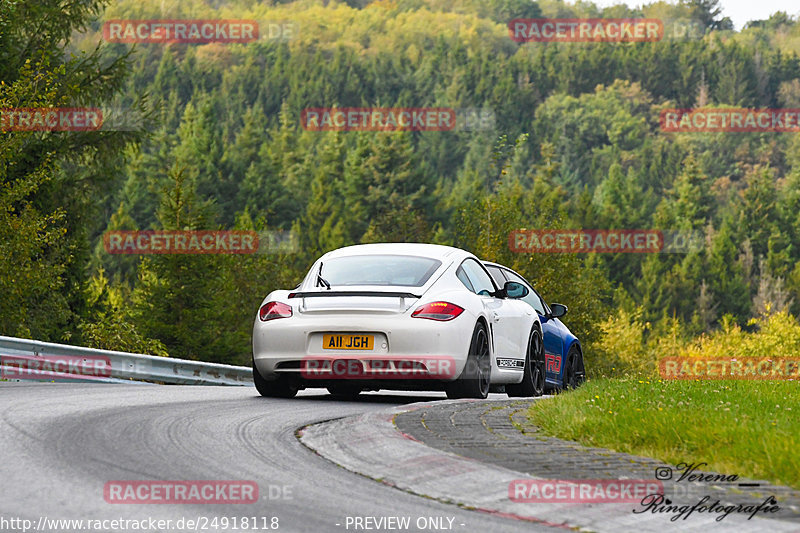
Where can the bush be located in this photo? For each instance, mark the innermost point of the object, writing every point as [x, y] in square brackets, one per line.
[630, 346]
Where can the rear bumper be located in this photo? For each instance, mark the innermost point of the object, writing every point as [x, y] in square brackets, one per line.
[405, 349]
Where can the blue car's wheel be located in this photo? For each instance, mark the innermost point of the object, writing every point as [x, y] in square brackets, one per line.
[574, 372]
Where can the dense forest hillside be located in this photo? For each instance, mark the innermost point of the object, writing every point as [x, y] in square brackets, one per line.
[575, 142]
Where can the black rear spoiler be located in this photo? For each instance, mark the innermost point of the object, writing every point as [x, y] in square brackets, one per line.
[329, 294]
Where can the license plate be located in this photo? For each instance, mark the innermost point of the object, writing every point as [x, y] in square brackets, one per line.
[348, 342]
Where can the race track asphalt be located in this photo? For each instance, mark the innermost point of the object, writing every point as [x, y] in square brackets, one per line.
[61, 444]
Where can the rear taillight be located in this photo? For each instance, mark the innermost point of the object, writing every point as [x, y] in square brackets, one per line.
[437, 311]
[273, 310]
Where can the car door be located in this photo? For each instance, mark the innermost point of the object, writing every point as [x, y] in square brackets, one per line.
[505, 316]
[500, 279]
[551, 331]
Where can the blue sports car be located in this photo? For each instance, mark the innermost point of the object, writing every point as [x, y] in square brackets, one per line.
[561, 359]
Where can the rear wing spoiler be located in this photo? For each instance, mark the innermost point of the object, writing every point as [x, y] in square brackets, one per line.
[329, 294]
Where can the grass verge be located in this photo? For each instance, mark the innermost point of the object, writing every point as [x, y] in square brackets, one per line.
[747, 428]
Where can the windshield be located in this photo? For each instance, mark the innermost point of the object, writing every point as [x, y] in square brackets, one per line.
[403, 270]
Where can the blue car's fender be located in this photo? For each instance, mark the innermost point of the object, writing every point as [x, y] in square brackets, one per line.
[558, 340]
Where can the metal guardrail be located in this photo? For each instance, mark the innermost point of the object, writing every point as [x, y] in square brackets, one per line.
[18, 356]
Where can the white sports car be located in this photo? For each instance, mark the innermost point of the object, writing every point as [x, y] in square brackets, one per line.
[397, 316]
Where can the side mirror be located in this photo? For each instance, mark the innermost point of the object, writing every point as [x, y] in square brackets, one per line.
[557, 310]
[515, 290]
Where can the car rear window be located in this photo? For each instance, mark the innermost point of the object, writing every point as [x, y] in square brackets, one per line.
[402, 270]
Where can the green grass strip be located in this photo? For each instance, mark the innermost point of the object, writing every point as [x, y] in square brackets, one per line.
[747, 428]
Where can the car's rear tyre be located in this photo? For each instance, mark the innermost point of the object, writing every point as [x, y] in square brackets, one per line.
[283, 387]
[532, 383]
[344, 391]
[476, 376]
[574, 372]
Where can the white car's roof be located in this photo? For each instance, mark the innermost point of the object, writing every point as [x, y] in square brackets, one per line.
[434, 251]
